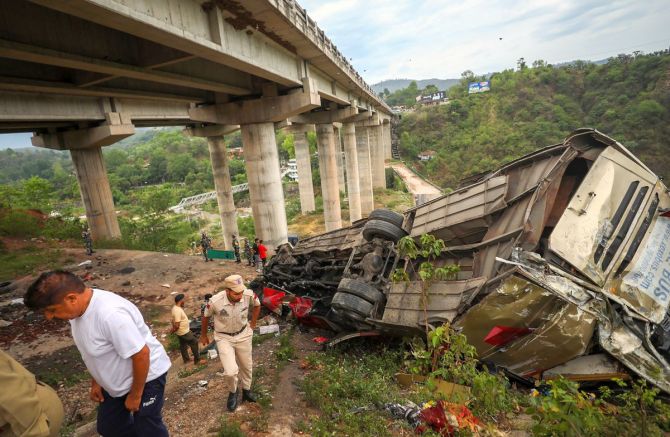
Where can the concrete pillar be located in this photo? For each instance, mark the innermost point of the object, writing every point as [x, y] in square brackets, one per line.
[224, 189]
[377, 157]
[351, 161]
[388, 154]
[265, 187]
[332, 214]
[96, 193]
[339, 160]
[304, 164]
[364, 171]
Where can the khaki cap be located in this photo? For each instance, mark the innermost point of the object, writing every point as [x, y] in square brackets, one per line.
[235, 283]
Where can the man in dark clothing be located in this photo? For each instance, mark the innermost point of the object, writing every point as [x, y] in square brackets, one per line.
[88, 241]
[236, 249]
[257, 258]
[248, 253]
[206, 244]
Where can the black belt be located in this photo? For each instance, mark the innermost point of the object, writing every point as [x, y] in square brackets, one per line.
[233, 333]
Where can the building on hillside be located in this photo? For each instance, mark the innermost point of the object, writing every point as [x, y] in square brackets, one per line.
[426, 155]
[438, 98]
[235, 152]
[292, 167]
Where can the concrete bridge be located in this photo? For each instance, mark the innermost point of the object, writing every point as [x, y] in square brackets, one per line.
[82, 74]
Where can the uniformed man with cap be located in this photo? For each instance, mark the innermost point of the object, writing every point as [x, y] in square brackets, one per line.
[27, 406]
[233, 331]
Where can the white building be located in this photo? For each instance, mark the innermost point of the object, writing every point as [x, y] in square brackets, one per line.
[292, 170]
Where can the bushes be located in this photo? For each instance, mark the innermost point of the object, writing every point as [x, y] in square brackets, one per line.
[18, 223]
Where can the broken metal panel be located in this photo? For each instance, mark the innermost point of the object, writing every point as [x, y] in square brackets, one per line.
[596, 367]
[485, 259]
[446, 299]
[553, 192]
[610, 198]
[510, 222]
[525, 177]
[644, 285]
[587, 137]
[465, 206]
[633, 351]
[339, 239]
[560, 330]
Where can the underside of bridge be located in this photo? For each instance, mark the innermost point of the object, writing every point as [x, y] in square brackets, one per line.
[82, 74]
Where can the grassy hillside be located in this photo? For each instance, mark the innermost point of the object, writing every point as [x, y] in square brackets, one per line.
[627, 98]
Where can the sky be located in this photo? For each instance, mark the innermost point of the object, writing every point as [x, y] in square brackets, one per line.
[425, 39]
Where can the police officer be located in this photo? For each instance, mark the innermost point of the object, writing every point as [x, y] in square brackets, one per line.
[236, 249]
[205, 243]
[88, 242]
[233, 332]
[27, 406]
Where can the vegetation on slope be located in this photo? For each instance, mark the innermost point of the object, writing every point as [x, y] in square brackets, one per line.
[627, 98]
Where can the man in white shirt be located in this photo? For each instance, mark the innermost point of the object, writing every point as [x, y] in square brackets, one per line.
[127, 364]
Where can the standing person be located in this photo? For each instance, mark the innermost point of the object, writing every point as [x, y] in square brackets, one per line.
[233, 333]
[180, 326]
[127, 364]
[257, 257]
[206, 244]
[248, 253]
[27, 407]
[88, 241]
[236, 249]
[262, 254]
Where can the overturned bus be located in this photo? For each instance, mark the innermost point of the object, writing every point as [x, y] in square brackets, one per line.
[564, 259]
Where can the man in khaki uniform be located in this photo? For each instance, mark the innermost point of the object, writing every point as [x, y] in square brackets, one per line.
[232, 333]
[27, 407]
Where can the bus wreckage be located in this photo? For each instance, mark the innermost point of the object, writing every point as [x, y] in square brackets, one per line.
[564, 259]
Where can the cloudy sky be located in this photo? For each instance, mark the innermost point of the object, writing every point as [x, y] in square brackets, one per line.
[423, 39]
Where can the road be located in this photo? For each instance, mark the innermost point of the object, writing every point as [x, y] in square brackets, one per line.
[415, 184]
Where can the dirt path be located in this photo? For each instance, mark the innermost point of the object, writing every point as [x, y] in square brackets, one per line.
[415, 184]
[289, 406]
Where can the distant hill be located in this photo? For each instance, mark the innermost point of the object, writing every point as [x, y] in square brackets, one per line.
[627, 98]
[397, 84]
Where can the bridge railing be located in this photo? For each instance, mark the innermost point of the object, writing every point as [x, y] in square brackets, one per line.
[298, 16]
[201, 198]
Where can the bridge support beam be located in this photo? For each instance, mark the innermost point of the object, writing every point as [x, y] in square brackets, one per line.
[351, 161]
[96, 193]
[325, 138]
[221, 173]
[377, 156]
[256, 118]
[387, 139]
[265, 186]
[303, 161]
[331, 164]
[85, 147]
[364, 170]
[224, 189]
[338, 157]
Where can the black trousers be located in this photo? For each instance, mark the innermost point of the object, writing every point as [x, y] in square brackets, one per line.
[115, 421]
[188, 340]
